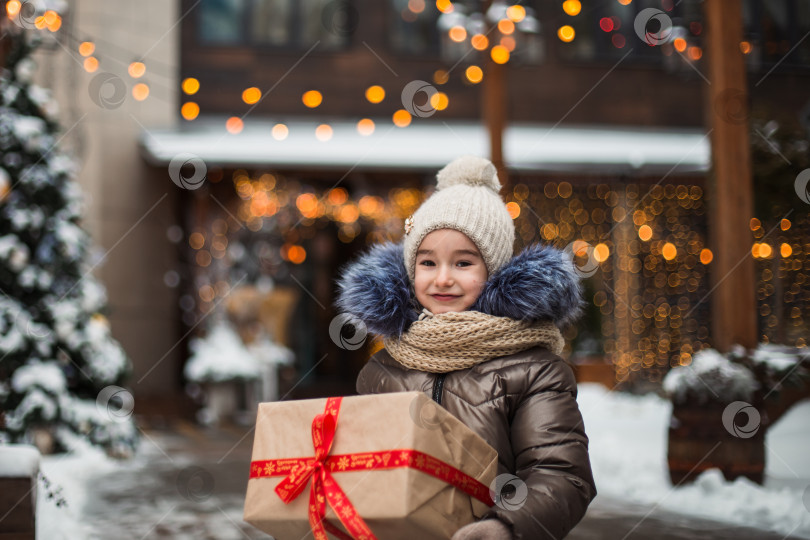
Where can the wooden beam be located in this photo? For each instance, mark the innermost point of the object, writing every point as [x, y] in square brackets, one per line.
[733, 317]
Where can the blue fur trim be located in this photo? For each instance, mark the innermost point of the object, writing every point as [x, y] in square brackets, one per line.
[376, 290]
[538, 284]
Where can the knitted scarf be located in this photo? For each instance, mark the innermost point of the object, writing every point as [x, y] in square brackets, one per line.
[461, 339]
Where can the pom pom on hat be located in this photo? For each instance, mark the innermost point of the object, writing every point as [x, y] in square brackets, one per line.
[471, 171]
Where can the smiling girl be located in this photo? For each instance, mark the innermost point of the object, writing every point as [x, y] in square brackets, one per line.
[478, 330]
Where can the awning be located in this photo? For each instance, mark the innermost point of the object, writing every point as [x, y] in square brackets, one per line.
[427, 145]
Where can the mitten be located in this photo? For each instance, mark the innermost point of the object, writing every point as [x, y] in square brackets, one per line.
[488, 529]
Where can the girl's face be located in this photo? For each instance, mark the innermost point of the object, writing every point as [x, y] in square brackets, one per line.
[450, 272]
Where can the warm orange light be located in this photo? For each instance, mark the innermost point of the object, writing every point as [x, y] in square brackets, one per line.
[50, 17]
[90, 64]
[745, 47]
[190, 110]
[479, 42]
[402, 118]
[516, 13]
[499, 54]
[669, 251]
[55, 24]
[40, 23]
[566, 33]
[136, 69]
[86, 48]
[280, 132]
[190, 86]
[754, 224]
[296, 254]
[307, 203]
[474, 74]
[365, 127]
[645, 232]
[234, 125]
[506, 26]
[784, 224]
[337, 196]
[323, 132]
[416, 6]
[785, 250]
[695, 53]
[348, 214]
[251, 95]
[625, 2]
[572, 7]
[765, 250]
[375, 94]
[445, 6]
[439, 101]
[601, 252]
[13, 8]
[508, 42]
[513, 208]
[458, 34]
[679, 44]
[312, 98]
[706, 256]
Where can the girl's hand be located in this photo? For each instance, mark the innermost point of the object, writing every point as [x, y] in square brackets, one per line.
[488, 529]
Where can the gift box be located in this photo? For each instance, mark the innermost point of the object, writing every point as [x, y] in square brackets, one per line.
[388, 466]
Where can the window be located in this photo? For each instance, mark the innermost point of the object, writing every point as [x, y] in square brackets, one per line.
[295, 24]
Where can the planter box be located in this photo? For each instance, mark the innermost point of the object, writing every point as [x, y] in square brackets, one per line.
[698, 441]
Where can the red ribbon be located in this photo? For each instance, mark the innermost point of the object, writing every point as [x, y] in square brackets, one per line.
[324, 488]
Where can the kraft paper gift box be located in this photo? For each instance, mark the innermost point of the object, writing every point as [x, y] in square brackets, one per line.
[370, 431]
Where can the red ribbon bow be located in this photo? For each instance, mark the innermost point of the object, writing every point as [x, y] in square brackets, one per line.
[324, 487]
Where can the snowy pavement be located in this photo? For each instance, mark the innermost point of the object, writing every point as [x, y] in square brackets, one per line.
[189, 482]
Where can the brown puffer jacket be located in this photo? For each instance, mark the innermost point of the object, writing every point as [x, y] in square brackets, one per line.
[523, 405]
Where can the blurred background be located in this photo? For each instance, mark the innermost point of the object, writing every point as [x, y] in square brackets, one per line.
[234, 155]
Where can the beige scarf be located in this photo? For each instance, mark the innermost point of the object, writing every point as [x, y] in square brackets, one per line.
[461, 339]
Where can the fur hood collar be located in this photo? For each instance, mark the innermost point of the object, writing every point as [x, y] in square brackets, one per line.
[538, 284]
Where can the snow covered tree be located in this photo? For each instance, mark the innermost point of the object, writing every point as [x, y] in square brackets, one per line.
[59, 366]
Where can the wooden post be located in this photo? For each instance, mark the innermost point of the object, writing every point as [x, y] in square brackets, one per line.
[731, 200]
[494, 104]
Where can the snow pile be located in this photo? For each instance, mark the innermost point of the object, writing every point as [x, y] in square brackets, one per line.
[221, 356]
[18, 461]
[628, 448]
[710, 377]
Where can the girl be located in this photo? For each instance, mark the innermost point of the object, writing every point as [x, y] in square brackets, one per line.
[478, 330]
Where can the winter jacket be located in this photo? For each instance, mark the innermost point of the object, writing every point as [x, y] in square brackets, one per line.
[523, 405]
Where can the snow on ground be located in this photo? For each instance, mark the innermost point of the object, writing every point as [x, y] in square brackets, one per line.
[628, 444]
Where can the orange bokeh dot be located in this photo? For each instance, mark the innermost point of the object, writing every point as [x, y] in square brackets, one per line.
[280, 132]
[234, 125]
[296, 254]
[190, 110]
[323, 132]
[706, 256]
[458, 34]
[251, 95]
[445, 6]
[645, 232]
[140, 91]
[90, 64]
[190, 85]
[479, 42]
[513, 208]
[136, 69]
[312, 98]
[499, 54]
[365, 127]
[566, 33]
[474, 74]
[86, 48]
[679, 44]
[669, 251]
[506, 26]
[402, 118]
[375, 94]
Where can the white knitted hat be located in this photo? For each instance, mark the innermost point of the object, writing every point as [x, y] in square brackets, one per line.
[467, 200]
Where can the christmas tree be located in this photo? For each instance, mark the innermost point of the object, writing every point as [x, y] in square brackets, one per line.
[59, 366]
